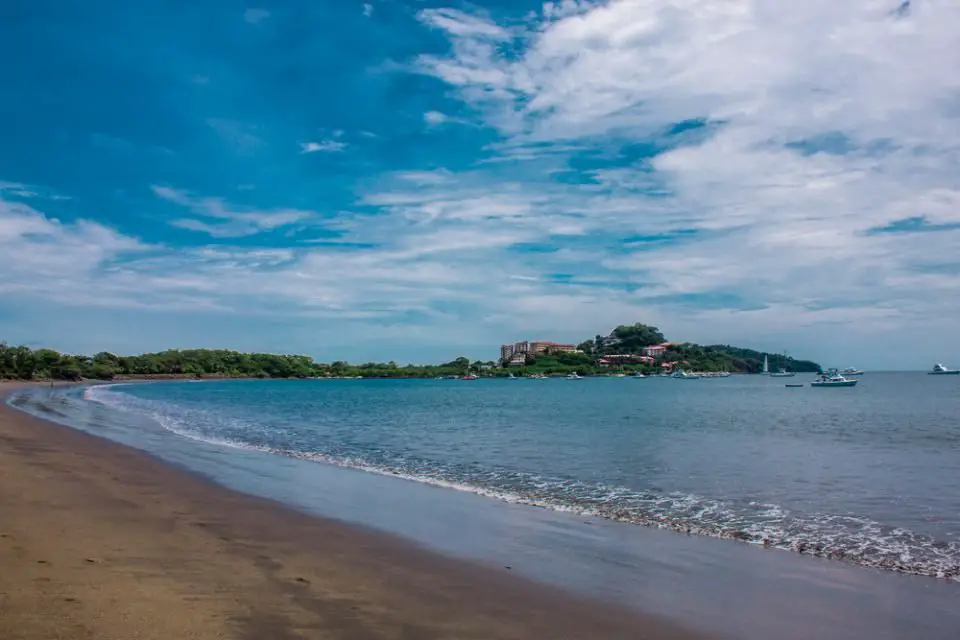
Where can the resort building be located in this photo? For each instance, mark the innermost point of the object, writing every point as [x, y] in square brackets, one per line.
[544, 347]
[657, 350]
[517, 360]
[519, 350]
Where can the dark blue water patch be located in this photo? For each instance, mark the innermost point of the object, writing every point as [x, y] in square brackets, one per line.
[867, 475]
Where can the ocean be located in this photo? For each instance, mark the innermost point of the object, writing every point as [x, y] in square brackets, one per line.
[866, 476]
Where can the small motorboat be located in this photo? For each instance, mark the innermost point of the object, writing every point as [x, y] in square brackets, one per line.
[794, 386]
[940, 370]
[683, 375]
[833, 379]
[852, 371]
[574, 376]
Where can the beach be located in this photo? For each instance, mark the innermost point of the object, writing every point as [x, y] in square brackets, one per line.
[99, 540]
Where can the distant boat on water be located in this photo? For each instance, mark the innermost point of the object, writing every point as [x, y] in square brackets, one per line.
[680, 374]
[940, 370]
[833, 379]
[782, 373]
[852, 371]
[470, 376]
[574, 376]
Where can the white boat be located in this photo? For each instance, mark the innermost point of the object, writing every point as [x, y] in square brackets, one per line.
[782, 373]
[574, 376]
[638, 376]
[852, 371]
[683, 375]
[833, 379]
[940, 370]
[510, 376]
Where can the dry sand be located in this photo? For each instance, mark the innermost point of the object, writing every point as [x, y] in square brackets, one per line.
[101, 541]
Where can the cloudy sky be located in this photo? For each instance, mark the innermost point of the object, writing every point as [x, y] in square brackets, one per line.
[419, 180]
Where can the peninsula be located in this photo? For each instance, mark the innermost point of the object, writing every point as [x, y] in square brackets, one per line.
[637, 347]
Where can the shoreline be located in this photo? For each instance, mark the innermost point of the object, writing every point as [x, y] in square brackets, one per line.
[98, 539]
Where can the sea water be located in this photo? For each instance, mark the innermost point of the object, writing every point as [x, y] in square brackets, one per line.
[867, 475]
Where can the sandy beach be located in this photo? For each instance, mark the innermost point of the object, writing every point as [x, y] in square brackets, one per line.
[98, 540]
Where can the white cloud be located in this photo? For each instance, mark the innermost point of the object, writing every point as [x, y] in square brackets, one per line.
[224, 220]
[434, 117]
[255, 16]
[47, 258]
[17, 189]
[324, 145]
[826, 120]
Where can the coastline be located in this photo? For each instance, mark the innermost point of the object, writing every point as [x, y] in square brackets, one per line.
[98, 539]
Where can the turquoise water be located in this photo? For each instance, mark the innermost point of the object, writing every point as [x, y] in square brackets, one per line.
[869, 475]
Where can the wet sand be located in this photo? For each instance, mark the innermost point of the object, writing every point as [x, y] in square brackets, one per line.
[99, 540]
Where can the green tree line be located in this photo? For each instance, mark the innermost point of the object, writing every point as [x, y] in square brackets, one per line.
[23, 363]
[20, 362]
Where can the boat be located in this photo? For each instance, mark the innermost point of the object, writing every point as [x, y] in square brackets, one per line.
[940, 370]
[782, 373]
[852, 371]
[833, 379]
[680, 374]
[638, 376]
[470, 376]
[794, 385]
[510, 376]
[574, 376]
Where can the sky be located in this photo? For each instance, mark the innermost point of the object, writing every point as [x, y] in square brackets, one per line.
[415, 181]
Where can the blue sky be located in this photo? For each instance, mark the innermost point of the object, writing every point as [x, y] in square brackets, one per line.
[420, 180]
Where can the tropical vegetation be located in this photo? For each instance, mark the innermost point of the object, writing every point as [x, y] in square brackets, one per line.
[592, 357]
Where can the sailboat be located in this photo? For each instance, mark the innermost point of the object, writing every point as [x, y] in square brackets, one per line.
[781, 372]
